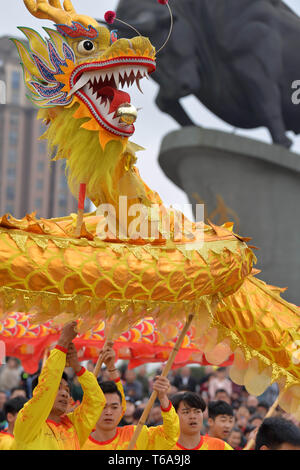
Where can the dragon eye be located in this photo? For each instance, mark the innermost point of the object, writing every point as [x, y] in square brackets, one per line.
[86, 47]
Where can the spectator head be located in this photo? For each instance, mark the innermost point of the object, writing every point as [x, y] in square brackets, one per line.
[278, 434]
[220, 419]
[18, 392]
[12, 408]
[252, 410]
[112, 412]
[130, 376]
[256, 420]
[130, 407]
[221, 373]
[136, 415]
[235, 438]
[262, 408]
[12, 363]
[235, 403]
[155, 416]
[185, 372]
[222, 394]
[252, 401]
[90, 365]
[243, 411]
[63, 396]
[248, 430]
[189, 407]
[142, 371]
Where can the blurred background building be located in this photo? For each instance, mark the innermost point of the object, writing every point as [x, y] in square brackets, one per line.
[29, 182]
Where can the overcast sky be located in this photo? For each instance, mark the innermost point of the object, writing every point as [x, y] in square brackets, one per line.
[152, 124]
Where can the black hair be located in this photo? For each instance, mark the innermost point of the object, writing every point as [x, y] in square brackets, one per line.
[276, 431]
[137, 413]
[192, 399]
[255, 416]
[252, 409]
[110, 387]
[14, 405]
[222, 390]
[249, 428]
[236, 429]
[263, 404]
[20, 387]
[219, 407]
[36, 379]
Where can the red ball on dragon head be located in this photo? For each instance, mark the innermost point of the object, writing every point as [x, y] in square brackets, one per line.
[163, 2]
[110, 17]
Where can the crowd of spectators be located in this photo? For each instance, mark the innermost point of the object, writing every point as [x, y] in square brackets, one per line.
[243, 413]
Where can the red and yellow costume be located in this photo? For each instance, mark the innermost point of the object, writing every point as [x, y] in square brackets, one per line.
[34, 431]
[151, 438]
[207, 443]
[6, 440]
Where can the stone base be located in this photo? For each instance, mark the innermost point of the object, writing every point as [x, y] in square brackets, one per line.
[253, 184]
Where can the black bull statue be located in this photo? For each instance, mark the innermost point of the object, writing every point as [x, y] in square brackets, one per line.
[238, 57]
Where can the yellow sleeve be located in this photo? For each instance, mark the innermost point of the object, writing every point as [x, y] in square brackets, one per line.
[227, 447]
[163, 437]
[86, 415]
[6, 441]
[35, 411]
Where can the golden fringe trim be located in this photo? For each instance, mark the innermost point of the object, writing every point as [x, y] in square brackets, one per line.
[44, 306]
[42, 241]
[123, 315]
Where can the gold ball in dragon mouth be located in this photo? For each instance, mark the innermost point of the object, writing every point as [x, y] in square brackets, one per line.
[127, 113]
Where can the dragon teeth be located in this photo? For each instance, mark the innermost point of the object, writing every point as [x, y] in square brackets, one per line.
[128, 75]
[138, 85]
[116, 78]
[92, 81]
[81, 82]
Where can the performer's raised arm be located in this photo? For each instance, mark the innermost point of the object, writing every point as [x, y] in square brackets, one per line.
[85, 416]
[49, 400]
[166, 435]
[43, 424]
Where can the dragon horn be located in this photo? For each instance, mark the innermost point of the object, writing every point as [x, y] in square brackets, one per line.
[52, 10]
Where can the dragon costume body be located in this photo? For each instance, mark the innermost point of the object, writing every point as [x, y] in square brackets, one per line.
[123, 274]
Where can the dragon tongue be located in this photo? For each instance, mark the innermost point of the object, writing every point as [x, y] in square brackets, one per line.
[116, 97]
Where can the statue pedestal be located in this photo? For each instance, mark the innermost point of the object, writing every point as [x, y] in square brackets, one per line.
[253, 184]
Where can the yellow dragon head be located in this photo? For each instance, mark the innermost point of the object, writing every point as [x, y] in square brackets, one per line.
[83, 63]
[75, 76]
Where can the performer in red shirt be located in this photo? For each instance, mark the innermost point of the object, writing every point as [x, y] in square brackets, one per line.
[189, 407]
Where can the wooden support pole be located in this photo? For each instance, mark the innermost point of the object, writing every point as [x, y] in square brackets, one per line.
[165, 372]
